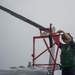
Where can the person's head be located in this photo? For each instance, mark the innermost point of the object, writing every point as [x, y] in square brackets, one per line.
[65, 39]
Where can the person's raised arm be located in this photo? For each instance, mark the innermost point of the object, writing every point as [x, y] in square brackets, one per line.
[68, 37]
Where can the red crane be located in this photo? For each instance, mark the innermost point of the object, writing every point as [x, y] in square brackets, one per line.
[45, 33]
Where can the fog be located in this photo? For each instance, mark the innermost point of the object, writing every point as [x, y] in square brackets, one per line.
[16, 36]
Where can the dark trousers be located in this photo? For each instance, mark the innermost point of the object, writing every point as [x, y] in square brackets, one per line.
[68, 71]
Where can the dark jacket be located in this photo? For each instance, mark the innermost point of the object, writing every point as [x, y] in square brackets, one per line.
[67, 56]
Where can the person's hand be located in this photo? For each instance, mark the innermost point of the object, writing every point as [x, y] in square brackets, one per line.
[59, 31]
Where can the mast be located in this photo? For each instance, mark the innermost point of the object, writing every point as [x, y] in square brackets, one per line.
[22, 18]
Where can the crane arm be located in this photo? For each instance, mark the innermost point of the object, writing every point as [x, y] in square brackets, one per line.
[22, 18]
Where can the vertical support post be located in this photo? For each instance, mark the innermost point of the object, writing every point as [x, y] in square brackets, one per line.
[33, 50]
[52, 48]
[58, 43]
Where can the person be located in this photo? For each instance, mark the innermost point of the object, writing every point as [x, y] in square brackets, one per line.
[67, 56]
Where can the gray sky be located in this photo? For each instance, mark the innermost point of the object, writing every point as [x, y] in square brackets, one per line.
[16, 36]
